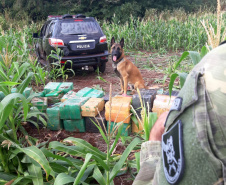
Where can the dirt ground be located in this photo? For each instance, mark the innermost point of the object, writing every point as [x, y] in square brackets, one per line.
[90, 79]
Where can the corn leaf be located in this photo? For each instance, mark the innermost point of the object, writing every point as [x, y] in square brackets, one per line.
[172, 79]
[25, 83]
[182, 77]
[47, 153]
[98, 176]
[63, 178]
[123, 158]
[83, 168]
[37, 155]
[6, 106]
[183, 56]
[79, 152]
[116, 138]
[137, 157]
[21, 71]
[195, 57]
[101, 131]
[36, 171]
[86, 146]
[204, 51]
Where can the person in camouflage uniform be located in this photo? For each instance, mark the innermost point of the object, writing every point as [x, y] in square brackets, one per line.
[192, 149]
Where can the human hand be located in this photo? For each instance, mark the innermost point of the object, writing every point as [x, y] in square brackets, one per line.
[158, 128]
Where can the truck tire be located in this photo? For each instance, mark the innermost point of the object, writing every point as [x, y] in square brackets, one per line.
[102, 67]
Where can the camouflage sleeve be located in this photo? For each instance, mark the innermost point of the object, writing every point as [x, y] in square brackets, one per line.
[150, 154]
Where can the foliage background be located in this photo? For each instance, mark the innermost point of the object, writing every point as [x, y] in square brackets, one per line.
[101, 9]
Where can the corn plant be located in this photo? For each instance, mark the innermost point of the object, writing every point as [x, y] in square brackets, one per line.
[15, 109]
[40, 74]
[58, 69]
[173, 32]
[215, 37]
[195, 59]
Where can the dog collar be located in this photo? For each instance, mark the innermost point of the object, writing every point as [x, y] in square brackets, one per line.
[119, 61]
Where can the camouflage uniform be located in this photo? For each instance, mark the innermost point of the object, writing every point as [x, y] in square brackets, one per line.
[203, 117]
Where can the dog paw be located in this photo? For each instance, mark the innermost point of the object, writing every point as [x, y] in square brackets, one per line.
[125, 95]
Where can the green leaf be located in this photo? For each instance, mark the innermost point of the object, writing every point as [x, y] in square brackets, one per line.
[36, 171]
[123, 158]
[183, 56]
[195, 57]
[25, 180]
[7, 105]
[63, 178]
[117, 137]
[58, 168]
[8, 83]
[20, 72]
[204, 51]
[87, 146]
[47, 153]
[137, 157]
[172, 79]
[88, 171]
[182, 77]
[37, 155]
[25, 82]
[152, 117]
[3, 76]
[101, 131]
[134, 119]
[98, 176]
[78, 151]
[82, 171]
[7, 176]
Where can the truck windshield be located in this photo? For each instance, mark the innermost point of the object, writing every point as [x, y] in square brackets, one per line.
[78, 27]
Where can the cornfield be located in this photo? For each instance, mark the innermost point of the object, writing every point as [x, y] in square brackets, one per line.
[171, 33]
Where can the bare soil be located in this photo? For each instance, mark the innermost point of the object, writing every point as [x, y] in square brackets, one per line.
[89, 78]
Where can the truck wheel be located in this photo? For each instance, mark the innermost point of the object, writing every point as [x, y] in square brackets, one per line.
[102, 67]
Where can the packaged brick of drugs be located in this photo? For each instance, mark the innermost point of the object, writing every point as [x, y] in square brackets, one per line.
[120, 109]
[69, 95]
[71, 108]
[54, 121]
[74, 125]
[92, 106]
[162, 103]
[91, 93]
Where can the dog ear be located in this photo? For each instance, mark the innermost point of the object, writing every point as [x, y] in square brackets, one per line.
[122, 42]
[112, 40]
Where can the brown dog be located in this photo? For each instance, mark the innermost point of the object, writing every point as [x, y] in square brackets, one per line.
[124, 68]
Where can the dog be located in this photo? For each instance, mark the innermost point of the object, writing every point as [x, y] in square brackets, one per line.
[125, 69]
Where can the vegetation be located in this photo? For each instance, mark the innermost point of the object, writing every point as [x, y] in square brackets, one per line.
[102, 9]
[23, 160]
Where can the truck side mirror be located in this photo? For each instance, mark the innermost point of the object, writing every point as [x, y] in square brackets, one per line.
[35, 35]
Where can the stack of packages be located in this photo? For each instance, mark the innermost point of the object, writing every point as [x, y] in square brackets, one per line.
[82, 111]
[93, 112]
[51, 94]
[50, 97]
[91, 108]
[120, 113]
[68, 113]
